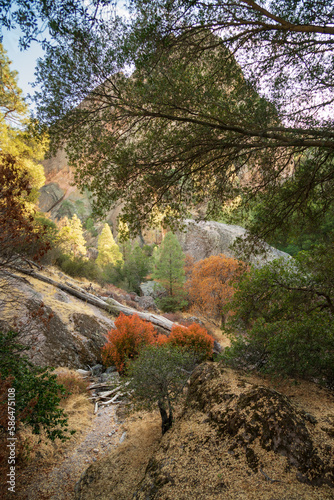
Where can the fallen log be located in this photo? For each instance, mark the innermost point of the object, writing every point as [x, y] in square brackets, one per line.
[112, 306]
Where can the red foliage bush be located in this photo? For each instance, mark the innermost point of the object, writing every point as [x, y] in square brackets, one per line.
[161, 339]
[194, 337]
[132, 333]
[125, 341]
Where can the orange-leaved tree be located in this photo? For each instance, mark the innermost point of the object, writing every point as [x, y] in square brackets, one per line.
[193, 338]
[210, 285]
[126, 340]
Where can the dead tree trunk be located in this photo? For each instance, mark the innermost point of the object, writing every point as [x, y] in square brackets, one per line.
[112, 306]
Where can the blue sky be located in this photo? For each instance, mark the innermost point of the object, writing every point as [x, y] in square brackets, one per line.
[23, 62]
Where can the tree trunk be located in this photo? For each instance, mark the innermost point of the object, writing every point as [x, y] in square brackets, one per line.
[166, 420]
[112, 307]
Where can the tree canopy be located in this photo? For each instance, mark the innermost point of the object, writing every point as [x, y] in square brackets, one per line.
[18, 132]
[283, 314]
[70, 238]
[183, 102]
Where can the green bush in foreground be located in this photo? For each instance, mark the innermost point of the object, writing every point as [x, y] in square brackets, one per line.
[158, 376]
[284, 318]
[36, 390]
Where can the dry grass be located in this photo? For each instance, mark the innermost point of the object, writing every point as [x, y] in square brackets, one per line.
[73, 382]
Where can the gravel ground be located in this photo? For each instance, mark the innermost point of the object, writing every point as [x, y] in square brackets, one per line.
[59, 482]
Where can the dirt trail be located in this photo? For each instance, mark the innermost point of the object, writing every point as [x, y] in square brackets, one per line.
[58, 483]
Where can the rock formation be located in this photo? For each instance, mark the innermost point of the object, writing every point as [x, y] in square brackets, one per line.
[205, 238]
[60, 329]
[235, 438]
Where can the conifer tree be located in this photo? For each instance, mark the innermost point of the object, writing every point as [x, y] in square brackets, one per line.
[109, 252]
[71, 239]
[170, 273]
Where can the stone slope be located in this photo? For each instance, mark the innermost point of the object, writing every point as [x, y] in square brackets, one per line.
[237, 440]
[62, 330]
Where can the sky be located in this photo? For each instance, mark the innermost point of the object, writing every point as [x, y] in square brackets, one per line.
[23, 62]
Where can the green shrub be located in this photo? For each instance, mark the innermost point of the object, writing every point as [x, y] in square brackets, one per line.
[283, 318]
[158, 376]
[79, 267]
[171, 303]
[37, 393]
[130, 273]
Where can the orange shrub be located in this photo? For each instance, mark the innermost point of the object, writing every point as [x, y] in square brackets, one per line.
[125, 341]
[161, 339]
[194, 337]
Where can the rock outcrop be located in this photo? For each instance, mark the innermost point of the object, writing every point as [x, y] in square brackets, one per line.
[202, 239]
[60, 329]
[236, 440]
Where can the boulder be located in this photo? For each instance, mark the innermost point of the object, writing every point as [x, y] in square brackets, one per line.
[49, 196]
[147, 303]
[61, 331]
[152, 289]
[239, 440]
[205, 238]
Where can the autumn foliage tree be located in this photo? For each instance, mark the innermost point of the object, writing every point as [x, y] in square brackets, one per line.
[210, 285]
[109, 252]
[19, 233]
[71, 240]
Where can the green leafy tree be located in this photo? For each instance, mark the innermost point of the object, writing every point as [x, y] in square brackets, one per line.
[193, 116]
[71, 240]
[132, 271]
[109, 252]
[158, 377]
[18, 133]
[39, 18]
[283, 314]
[169, 272]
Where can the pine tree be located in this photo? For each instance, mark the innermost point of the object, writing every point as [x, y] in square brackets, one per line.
[109, 252]
[170, 273]
[70, 238]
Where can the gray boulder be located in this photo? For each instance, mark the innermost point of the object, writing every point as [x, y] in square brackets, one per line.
[49, 196]
[147, 303]
[205, 238]
[152, 289]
